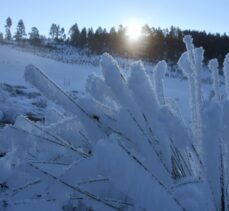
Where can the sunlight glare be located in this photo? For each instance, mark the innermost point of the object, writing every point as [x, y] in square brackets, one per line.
[134, 31]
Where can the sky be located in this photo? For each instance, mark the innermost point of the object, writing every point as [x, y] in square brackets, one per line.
[208, 15]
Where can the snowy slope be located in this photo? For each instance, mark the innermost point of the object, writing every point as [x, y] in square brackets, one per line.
[69, 76]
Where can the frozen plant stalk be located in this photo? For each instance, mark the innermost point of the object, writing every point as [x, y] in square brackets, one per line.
[159, 73]
[226, 74]
[214, 67]
[191, 64]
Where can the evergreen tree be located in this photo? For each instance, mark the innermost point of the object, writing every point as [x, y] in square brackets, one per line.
[74, 33]
[83, 37]
[54, 31]
[90, 38]
[58, 31]
[97, 42]
[7, 28]
[34, 36]
[20, 31]
[112, 43]
[1, 37]
[121, 40]
[62, 34]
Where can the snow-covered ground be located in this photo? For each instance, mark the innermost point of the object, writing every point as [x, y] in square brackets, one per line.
[68, 76]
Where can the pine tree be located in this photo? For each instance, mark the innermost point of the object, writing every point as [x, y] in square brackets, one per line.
[54, 31]
[7, 28]
[1, 37]
[90, 37]
[57, 32]
[34, 36]
[112, 39]
[83, 37]
[20, 33]
[74, 33]
[62, 34]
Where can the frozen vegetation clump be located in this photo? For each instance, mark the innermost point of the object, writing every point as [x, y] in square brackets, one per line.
[120, 147]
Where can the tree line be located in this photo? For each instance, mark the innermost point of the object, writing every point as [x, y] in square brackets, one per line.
[153, 45]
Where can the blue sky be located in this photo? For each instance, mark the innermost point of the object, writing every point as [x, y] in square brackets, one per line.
[209, 15]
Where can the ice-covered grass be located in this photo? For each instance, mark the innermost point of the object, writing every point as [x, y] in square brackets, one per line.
[126, 144]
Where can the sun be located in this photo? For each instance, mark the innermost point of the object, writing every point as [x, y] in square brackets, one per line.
[134, 31]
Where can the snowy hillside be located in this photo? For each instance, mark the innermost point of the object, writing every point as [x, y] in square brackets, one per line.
[81, 137]
[13, 62]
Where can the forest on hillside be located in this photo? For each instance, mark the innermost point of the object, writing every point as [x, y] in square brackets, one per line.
[154, 44]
